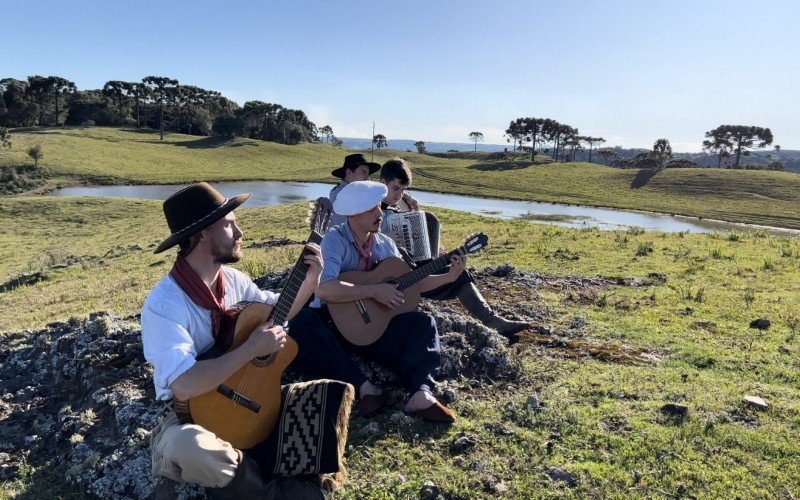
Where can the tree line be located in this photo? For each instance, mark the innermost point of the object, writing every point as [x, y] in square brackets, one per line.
[565, 141]
[156, 102]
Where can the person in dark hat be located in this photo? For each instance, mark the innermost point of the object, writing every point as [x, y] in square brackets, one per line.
[410, 344]
[180, 320]
[396, 175]
[356, 168]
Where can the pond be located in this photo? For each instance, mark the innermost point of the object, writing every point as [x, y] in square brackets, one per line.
[266, 193]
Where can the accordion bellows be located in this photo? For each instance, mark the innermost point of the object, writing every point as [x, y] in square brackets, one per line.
[418, 231]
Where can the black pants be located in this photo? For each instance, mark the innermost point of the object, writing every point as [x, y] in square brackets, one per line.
[449, 291]
[409, 347]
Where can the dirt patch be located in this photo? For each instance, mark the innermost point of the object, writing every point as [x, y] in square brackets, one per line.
[24, 279]
[273, 242]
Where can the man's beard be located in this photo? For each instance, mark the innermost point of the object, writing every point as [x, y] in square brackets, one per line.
[223, 255]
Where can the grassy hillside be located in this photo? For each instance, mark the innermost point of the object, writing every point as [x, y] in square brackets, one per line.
[96, 154]
[598, 416]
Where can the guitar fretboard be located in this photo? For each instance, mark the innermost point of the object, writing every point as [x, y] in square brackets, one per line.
[289, 292]
[422, 272]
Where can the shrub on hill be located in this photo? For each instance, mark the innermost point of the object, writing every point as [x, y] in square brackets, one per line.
[15, 180]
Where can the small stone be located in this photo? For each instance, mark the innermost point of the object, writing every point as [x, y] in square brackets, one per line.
[464, 443]
[400, 418]
[533, 403]
[500, 488]
[371, 429]
[8, 472]
[430, 491]
[557, 474]
[675, 410]
[402, 479]
[708, 326]
[756, 402]
[4, 458]
[760, 323]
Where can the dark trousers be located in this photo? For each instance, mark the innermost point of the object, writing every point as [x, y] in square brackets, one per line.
[449, 291]
[409, 347]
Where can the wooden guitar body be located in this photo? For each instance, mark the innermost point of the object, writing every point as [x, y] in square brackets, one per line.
[244, 409]
[247, 415]
[363, 322]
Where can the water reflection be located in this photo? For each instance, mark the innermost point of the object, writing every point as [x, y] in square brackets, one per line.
[266, 193]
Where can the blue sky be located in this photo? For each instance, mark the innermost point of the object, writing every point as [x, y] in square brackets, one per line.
[629, 71]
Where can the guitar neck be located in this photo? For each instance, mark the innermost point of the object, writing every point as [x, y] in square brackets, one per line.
[422, 272]
[281, 310]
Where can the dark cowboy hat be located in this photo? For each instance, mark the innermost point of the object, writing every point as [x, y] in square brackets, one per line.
[354, 160]
[193, 209]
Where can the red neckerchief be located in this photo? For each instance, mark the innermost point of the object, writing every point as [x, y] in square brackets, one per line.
[365, 250]
[199, 292]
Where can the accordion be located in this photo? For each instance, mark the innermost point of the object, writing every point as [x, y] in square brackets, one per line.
[419, 233]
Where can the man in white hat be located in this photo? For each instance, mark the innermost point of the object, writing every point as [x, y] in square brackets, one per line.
[410, 344]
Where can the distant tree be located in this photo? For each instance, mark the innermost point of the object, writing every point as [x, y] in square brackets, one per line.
[261, 120]
[558, 133]
[742, 138]
[115, 90]
[515, 132]
[21, 109]
[91, 107]
[5, 138]
[35, 152]
[532, 129]
[139, 92]
[379, 140]
[191, 110]
[777, 147]
[606, 154]
[681, 163]
[420, 145]
[229, 126]
[476, 137]
[39, 89]
[591, 141]
[719, 143]
[662, 152]
[60, 87]
[574, 144]
[776, 165]
[336, 142]
[327, 131]
[163, 91]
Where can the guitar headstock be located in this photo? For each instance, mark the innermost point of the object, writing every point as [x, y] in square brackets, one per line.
[320, 214]
[476, 243]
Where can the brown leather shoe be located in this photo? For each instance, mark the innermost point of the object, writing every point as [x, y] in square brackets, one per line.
[437, 412]
[370, 403]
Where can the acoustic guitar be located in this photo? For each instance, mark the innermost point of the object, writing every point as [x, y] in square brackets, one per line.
[363, 321]
[243, 410]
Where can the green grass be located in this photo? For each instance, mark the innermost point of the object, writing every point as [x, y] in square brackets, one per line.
[601, 419]
[97, 154]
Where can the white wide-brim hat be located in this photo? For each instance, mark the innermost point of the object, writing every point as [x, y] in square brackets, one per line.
[358, 197]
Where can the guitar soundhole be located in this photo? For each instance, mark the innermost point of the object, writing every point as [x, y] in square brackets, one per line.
[262, 361]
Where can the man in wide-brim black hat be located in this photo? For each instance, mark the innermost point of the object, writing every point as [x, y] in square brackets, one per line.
[181, 319]
[356, 168]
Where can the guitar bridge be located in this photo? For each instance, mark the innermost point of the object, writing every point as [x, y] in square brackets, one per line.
[238, 398]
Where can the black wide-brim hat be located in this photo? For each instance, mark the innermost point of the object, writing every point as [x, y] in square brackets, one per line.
[354, 160]
[193, 209]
